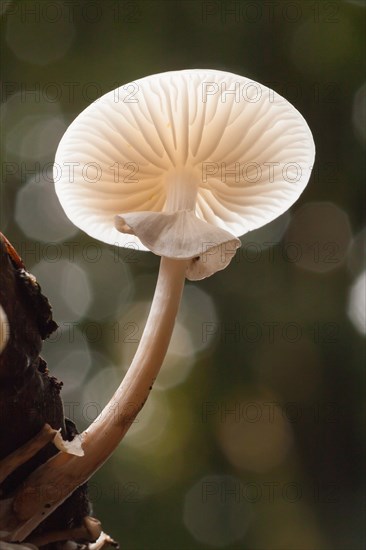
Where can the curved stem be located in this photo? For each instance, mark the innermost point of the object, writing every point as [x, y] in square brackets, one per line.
[49, 485]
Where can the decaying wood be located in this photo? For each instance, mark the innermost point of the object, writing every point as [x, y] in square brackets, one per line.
[31, 409]
[22, 454]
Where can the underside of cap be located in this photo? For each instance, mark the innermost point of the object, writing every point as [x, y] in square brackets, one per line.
[181, 235]
[249, 150]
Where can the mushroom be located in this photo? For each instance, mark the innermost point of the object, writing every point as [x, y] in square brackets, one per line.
[179, 163]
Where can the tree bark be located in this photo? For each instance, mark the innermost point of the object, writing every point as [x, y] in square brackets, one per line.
[30, 396]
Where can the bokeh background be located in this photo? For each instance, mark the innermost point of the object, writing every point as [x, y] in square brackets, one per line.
[253, 435]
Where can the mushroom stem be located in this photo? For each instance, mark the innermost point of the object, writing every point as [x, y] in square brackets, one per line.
[49, 485]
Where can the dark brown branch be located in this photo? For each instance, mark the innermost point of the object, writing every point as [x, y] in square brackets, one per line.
[29, 400]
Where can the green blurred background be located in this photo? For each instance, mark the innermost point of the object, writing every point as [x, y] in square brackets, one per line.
[253, 436]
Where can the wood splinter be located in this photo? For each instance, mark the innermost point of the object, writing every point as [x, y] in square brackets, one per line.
[18, 457]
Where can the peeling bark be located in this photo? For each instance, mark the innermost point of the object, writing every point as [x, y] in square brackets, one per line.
[29, 399]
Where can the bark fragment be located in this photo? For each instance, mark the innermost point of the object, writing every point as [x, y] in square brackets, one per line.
[30, 399]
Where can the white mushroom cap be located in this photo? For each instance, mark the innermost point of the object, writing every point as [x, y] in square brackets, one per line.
[240, 153]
